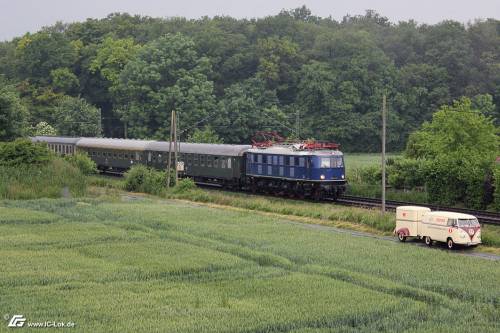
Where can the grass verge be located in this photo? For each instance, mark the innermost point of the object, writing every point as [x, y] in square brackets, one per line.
[55, 179]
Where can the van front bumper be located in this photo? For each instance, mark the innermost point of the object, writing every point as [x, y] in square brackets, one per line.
[468, 243]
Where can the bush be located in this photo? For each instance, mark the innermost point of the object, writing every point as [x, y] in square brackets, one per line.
[143, 179]
[24, 152]
[370, 174]
[83, 162]
[496, 184]
[184, 185]
[406, 173]
[32, 181]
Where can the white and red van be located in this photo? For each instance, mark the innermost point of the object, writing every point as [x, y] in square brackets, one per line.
[449, 227]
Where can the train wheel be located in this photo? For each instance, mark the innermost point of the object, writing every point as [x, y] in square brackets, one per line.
[428, 241]
[317, 194]
[401, 237]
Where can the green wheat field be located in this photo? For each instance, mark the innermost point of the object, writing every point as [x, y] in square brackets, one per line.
[169, 266]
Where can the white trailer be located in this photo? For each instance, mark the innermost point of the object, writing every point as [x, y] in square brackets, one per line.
[449, 227]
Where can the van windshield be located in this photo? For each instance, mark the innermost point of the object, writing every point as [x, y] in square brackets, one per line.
[467, 222]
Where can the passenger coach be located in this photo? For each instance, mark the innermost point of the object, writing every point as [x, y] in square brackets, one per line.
[216, 164]
[114, 154]
[59, 145]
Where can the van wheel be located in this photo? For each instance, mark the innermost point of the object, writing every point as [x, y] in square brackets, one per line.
[428, 240]
[450, 243]
[401, 237]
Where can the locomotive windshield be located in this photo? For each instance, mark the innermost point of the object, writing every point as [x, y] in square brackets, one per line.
[332, 162]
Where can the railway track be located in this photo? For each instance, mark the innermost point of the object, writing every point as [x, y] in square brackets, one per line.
[482, 216]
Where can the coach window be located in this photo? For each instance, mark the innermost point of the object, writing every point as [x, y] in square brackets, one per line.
[223, 163]
[269, 170]
[259, 158]
[302, 162]
[292, 172]
[229, 163]
[264, 159]
[259, 169]
[292, 161]
[275, 160]
[209, 161]
[216, 162]
[281, 160]
[282, 171]
[202, 160]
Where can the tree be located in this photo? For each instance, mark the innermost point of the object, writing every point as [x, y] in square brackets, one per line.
[279, 63]
[64, 80]
[460, 145]
[112, 56]
[13, 113]
[75, 117]
[458, 130]
[43, 128]
[166, 75]
[43, 52]
[246, 109]
[205, 135]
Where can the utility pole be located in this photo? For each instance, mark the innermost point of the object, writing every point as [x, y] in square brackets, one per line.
[101, 132]
[383, 151]
[297, 124]
[169, 164]
[175, 149]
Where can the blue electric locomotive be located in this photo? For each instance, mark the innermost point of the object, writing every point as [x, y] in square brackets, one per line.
[313, 170]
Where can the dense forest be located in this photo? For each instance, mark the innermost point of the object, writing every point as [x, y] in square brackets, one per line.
[296, 73]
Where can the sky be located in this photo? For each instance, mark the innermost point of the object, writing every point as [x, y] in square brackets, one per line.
[20, 16]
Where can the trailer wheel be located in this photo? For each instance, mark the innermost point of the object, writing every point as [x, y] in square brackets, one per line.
[450, 243]
[428, 240]
[401, 237]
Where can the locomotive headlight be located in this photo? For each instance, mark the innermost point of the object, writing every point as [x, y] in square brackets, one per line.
[322, 177]
[343, 176]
